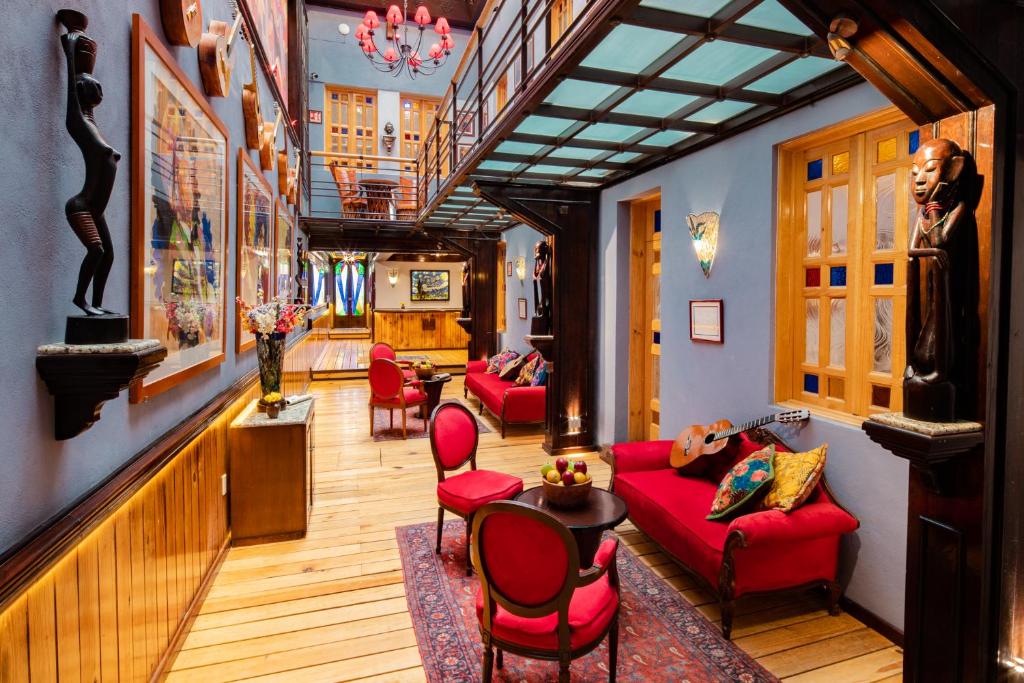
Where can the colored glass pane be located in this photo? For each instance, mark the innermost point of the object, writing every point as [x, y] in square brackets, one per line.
[884, 273]
[657, 221]
[886, 150]
[880, 396]
[837, 276]
[913, 141]
[814, 169]
[840, 163]
[810, 383]
[812, 277]
[836, 387]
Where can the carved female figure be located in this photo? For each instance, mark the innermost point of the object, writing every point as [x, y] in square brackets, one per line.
[542, 285]
[85, 210]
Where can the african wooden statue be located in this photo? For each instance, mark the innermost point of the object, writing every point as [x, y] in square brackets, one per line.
[942, 287]
[541, 323]
[467, 298]
[85, 210]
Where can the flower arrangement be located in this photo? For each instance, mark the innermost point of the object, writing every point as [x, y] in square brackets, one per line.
[184, 320]
[273, 397]
[273, 317]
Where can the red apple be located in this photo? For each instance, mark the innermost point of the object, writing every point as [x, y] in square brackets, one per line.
[568, 478]
[562, 464]
[580, 466]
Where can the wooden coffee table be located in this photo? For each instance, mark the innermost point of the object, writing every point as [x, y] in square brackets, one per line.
[604, 510]
[432, 388]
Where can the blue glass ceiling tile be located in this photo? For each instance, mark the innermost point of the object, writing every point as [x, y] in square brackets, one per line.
[794, 74]
[884, 274]
[666, 138]
[594, 173]
[623, 157]
[771, 15]
[719, 111]
[576, 153]
[548, 169]
[527, 148]
[814, 169]
[657, 220]
[609, 132]
[631, 49]
[697, 8]
[654, 103]
[913, 141]
[718, 62]
[810, 383]
[837, 276]
[498, 165]
[543, 125]
[581, 94]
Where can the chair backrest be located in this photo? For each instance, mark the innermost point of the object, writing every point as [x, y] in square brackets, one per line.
[453, 437]
[382, 350]
[406, 193]
[345, 179]
[527, 561]
[386, 378]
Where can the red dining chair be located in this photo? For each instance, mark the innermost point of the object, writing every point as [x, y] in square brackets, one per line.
[383, 350]
[453, 441]
[388, 389]
[534, 601]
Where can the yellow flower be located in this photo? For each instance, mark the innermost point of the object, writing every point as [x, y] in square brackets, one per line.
[272, 397]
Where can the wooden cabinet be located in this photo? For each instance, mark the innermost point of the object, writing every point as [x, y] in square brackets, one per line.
[419, 329]
[270, 474]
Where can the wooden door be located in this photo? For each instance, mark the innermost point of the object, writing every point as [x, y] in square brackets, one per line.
[645, 320]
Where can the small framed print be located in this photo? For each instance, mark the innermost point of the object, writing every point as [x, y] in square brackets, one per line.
[316, 116]
[706, 321]
[508, 269]
[522, 308]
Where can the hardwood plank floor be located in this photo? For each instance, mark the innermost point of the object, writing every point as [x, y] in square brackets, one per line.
[344, 355]
[332, 607]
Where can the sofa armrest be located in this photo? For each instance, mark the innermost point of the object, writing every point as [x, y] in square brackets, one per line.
[476, 366]
[773, 527]
[636, 456]
[524, 404]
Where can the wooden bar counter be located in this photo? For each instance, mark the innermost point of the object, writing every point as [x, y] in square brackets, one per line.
[419, 328]
[271, 474]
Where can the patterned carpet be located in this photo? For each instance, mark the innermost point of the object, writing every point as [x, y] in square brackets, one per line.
[416, 427]
[661, 636]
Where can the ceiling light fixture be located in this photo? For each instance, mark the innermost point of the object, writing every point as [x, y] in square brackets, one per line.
[400, 55]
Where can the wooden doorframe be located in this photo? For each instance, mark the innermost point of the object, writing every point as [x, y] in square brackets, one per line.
[502, 286]
[639, 391]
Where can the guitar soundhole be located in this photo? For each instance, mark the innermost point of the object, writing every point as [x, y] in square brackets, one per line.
[708, 439]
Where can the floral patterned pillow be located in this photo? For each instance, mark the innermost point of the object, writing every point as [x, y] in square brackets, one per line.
[796, 477]
[497, 363]
[743, 482]
[540, 376]
[528, 371]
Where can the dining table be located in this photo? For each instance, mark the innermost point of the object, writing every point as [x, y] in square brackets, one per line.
[380, 197]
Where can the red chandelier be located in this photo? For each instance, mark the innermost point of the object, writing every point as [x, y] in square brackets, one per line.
[400, 55]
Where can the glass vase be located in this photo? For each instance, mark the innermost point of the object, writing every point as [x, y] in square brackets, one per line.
[270, 353]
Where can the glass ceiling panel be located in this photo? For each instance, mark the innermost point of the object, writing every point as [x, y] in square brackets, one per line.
[631, 48]
[794, 74]
[654, 103]
[526, 148]
[594, 172]
[551, 170]
[623, 157]
[497, 165]
[771, 15]
[666, 138]
[576, 153]
[718, 62]
[698, 8]
[609, 132]
[543, 125]
[719, 111]
[582, 94]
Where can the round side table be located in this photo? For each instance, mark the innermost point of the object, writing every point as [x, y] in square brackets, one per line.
[604, 510]
[432, 388]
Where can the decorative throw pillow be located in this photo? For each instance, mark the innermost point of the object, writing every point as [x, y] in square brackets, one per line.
[497, 363]
[751, 475]
[796, 476]
[540, 377]
[511, 369]
[529, 370]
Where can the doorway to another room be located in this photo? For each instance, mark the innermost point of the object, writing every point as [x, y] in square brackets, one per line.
[645, 319]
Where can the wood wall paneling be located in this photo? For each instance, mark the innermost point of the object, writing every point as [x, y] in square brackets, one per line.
[419, 329]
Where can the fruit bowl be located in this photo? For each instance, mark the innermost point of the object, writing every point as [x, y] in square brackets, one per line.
[424, 371]
[567, 497]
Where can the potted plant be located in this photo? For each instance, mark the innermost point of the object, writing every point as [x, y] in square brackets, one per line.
[271, 322]
[273, 402]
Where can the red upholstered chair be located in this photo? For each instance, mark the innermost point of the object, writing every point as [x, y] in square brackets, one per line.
[382, 350]
[453, 441]
[534, 601]
[388, 389]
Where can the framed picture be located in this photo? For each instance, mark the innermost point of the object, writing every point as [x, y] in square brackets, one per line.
[254, 243]
[284, 246]
[467, 124]
[316, 116]
[508, 269]
[269, 20]
[522, 308]
[429, 285]
[179, 255]
[706, 321]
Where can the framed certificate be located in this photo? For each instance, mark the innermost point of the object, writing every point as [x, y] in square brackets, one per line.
[706, 321]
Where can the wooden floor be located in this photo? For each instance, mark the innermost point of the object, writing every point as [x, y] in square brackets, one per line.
[331, 607]
[349, 358]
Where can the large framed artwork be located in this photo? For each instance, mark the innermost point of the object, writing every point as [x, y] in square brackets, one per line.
[318, 272]
[284, 245]
[270, 21]
[429, 285]
[254, 242]
[179, 217]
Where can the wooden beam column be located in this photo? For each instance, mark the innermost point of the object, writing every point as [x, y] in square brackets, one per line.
[571, 216]
[483, 286]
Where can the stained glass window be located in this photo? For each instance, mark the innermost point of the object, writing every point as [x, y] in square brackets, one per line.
[350, 279]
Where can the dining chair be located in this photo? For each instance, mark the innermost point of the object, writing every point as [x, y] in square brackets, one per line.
[533, 600]
[388, 389]
[454, 437]
[352, 203]
[384, 350]
[406, 206]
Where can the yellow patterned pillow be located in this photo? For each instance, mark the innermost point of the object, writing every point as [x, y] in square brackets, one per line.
[796, 476]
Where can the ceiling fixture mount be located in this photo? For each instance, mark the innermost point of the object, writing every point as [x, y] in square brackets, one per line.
[401, 55]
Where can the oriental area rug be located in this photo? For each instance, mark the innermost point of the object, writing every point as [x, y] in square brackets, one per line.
[416, 427]
[662, 637]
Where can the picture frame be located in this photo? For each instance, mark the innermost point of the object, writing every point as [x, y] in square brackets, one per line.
[508, 269]
[179, 193]
[522, 303]
[284, 248]
[429, 285]
[467, 124]
[706, 321]
[254, 243]
[268, 19]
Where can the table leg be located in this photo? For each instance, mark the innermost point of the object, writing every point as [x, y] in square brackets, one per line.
[587, 541]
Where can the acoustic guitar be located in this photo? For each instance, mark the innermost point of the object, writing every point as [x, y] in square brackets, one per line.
[251, 106]
[268, 140]
[182, 21]
[215, 56]
[699, 440]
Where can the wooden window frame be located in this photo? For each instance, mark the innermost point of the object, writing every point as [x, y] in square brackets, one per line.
[858, 136]
[559, 20]
[421, 100]
[329, 122]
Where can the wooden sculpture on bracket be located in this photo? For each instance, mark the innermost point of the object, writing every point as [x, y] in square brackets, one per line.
[215, 53]
[268, 138]
[182, 21]
[251, 113]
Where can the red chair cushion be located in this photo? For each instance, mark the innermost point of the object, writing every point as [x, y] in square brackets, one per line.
[591, 610]
[469, 491]
[413, 396]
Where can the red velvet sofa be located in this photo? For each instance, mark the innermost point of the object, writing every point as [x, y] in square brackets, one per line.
[755, 553]
[507, 402]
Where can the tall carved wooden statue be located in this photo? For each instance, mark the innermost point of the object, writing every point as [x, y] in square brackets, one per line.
[541, 323]
[85, 210]
[942, 287]
[467, 294]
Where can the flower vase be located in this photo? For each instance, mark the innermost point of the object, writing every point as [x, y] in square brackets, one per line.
[187, 340]
[270, 353]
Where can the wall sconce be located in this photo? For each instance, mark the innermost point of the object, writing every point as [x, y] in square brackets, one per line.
[841, 28]
[521, 268]
[575, 423]
[388, 138]
[392, 277]
[704, 233]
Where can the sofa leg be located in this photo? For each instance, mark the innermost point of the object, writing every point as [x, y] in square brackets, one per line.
[726, 607]
[834, 593]
[501, 659]
[503, 429]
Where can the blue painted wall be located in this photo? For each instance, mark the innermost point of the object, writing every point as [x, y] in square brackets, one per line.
[701, 382]
[40, 259]
[519, 241]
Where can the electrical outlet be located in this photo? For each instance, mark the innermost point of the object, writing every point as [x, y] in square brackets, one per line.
[224, 484]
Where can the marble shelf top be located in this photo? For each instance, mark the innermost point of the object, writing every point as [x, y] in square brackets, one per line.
[901, 421]
[290, 415]
[130, 346]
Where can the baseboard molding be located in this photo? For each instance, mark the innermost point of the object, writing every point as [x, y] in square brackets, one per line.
[871, 619]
